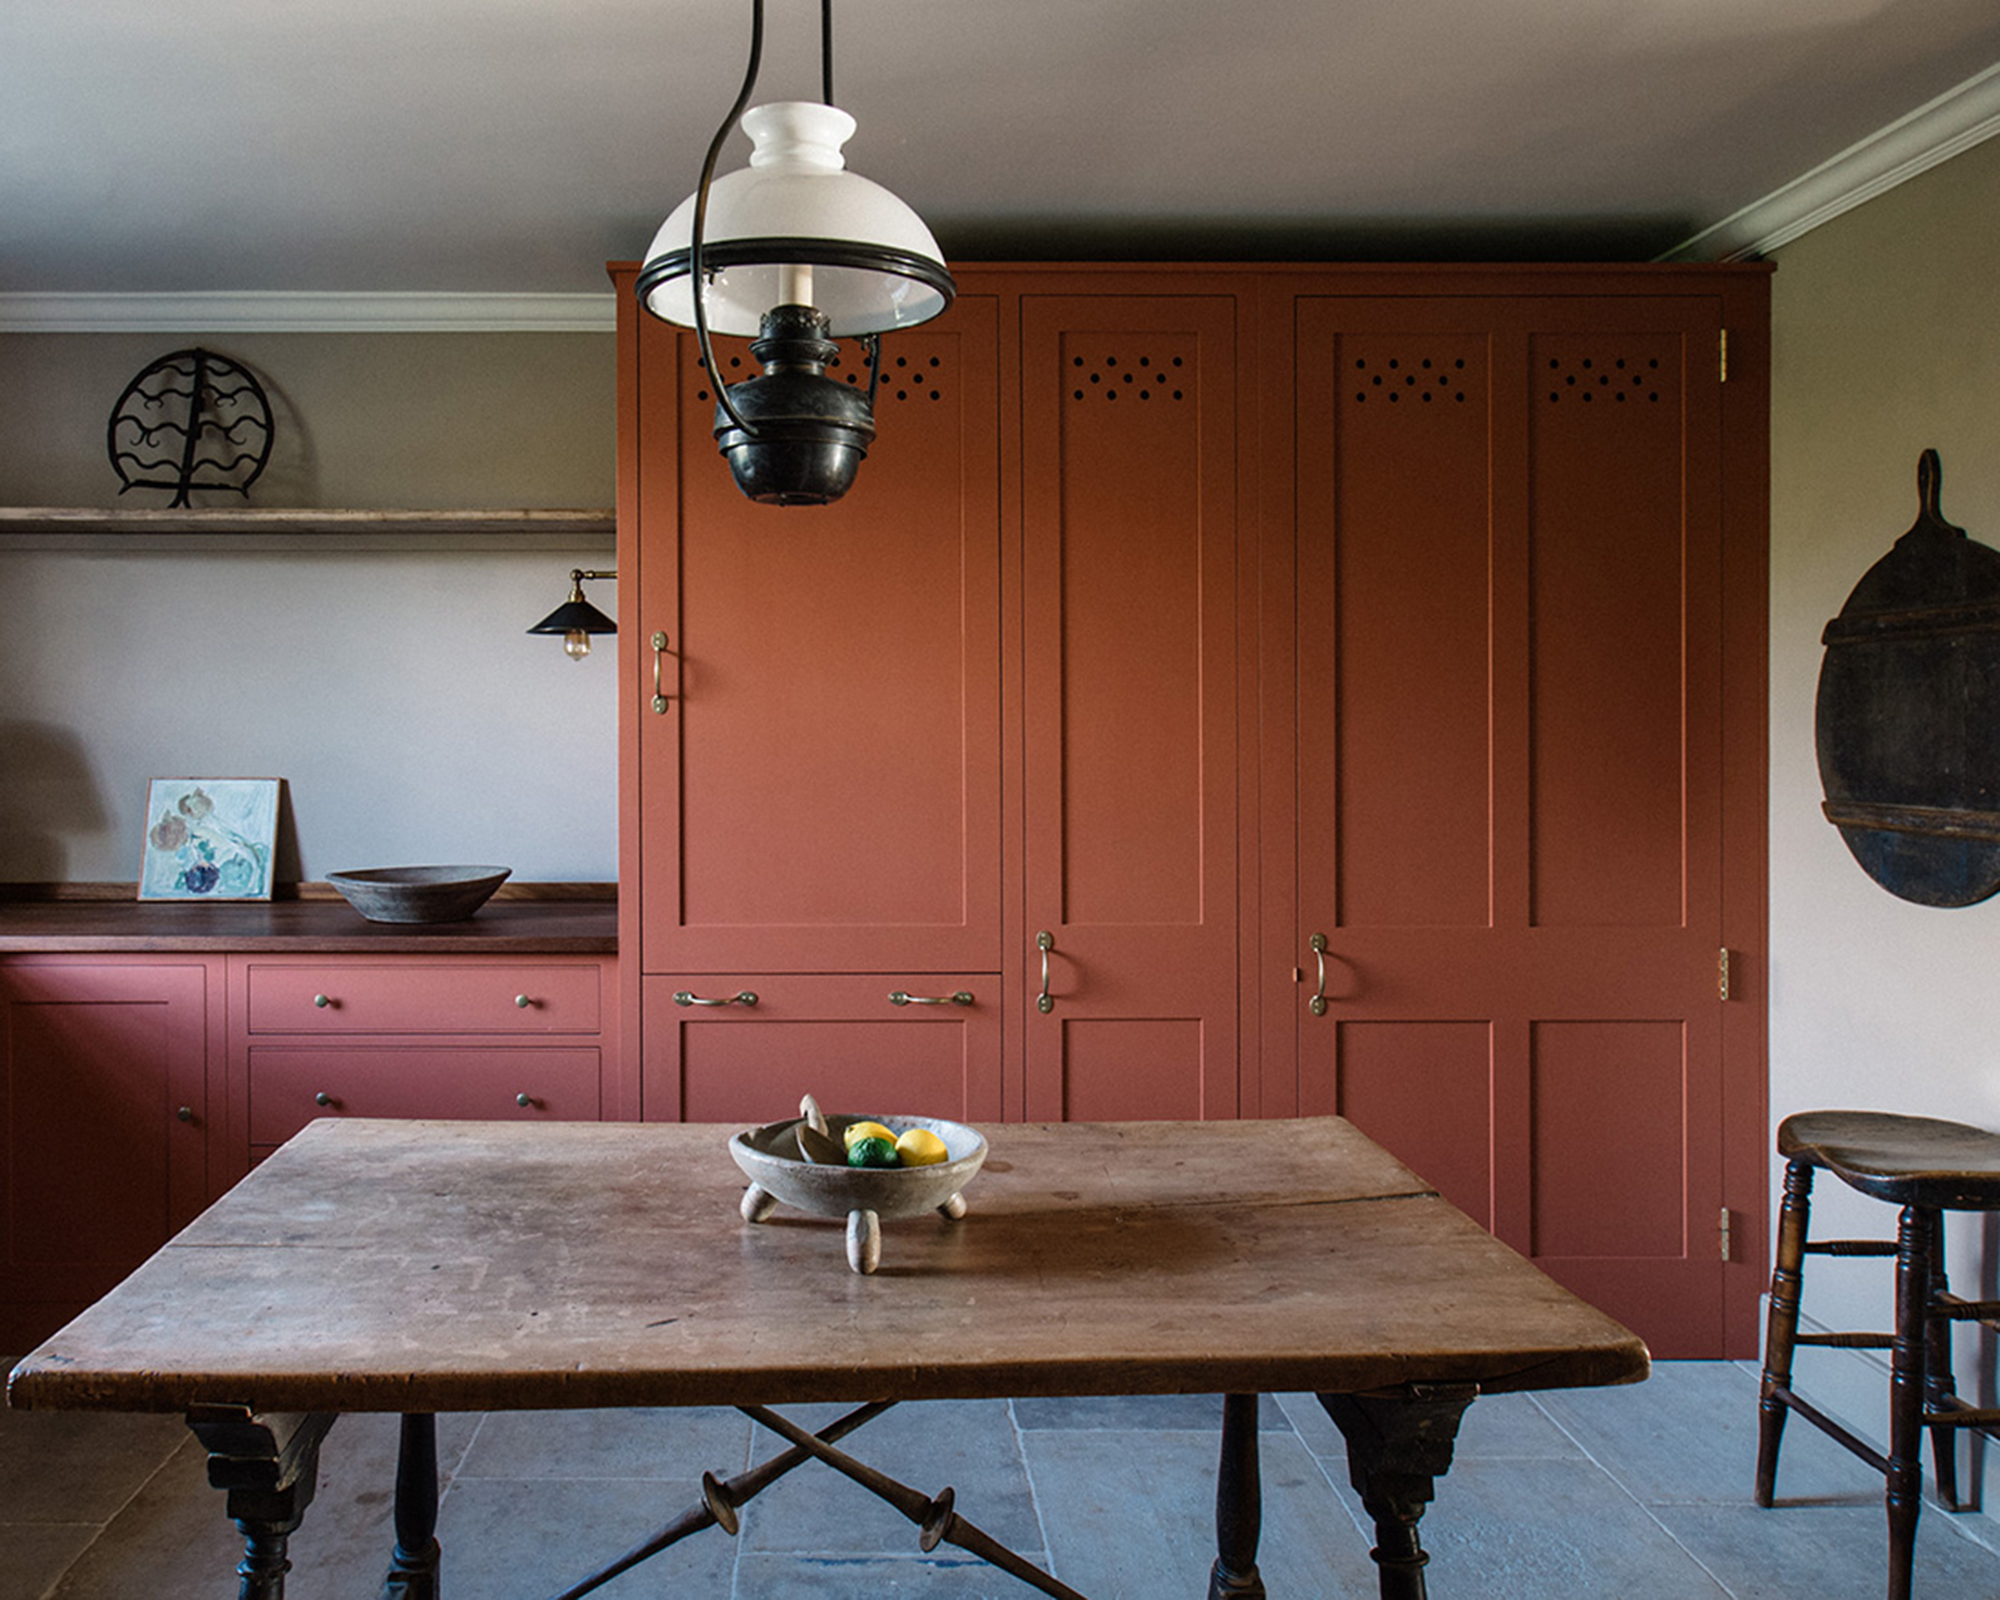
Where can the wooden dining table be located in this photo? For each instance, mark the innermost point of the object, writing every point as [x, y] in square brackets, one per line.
[422, 1267]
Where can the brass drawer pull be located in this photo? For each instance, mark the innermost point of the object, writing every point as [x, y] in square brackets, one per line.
[1045, 942]
[742, 998]
[1317, 1004]
[898, 997]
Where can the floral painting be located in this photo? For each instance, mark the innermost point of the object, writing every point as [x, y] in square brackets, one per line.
[209, 839]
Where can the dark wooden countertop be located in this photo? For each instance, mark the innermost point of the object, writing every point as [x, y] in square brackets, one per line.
[500, 927]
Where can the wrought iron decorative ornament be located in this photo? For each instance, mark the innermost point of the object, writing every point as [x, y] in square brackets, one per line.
[191, 420]
[1908, 713]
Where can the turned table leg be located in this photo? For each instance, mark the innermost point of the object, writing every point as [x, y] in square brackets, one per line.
[413, 1570]
[1398, 1446]
[1239, 1505]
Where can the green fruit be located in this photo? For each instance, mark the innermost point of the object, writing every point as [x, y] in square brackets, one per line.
[871, 1152]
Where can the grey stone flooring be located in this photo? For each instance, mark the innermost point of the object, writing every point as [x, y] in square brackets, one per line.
[1636, 1494]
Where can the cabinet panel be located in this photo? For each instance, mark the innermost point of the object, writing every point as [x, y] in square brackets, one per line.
[104, 1106]
[1508, 723]
[292, 1085]
[421, 996]
[1129, 522]
[840, 1039]
[821, 791]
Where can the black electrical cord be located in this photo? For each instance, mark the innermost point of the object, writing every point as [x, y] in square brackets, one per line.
[826, 51]
[701, 211]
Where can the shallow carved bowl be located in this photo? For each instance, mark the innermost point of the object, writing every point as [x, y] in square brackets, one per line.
[770, 1158]
[418, 894]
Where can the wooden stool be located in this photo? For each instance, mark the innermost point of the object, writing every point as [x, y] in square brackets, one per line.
[1926, 1167]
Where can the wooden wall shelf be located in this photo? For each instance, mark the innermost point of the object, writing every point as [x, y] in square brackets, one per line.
[80, 528]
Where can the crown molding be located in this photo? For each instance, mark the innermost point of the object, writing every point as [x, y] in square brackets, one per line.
[1932, 134]
[279, 311]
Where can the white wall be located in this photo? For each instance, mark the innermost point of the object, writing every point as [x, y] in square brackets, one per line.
[1887, 341]
[396, 692]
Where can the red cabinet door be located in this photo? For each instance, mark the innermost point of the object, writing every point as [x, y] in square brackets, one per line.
[1508, 723]
[1129, 634]
[713, 1057]
[103, 1109]
[819, 788]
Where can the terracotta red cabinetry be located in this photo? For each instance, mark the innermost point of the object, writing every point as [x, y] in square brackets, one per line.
[1180, 615]
[501, 1038]
[104, 1103]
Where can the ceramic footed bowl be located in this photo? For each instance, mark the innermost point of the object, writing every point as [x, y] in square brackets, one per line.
[771, 1160]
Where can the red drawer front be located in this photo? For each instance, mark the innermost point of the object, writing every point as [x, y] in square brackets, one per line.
[424, 997]
[456, 1084]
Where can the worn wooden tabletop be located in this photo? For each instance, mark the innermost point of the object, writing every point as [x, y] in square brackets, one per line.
[447, 1266]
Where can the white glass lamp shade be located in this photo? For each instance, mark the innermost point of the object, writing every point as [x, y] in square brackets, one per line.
[795, 227]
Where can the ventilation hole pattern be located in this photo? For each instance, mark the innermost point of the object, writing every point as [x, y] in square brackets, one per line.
[904, 377]
[1131, 378]
[1415, 380]
[1610, 380]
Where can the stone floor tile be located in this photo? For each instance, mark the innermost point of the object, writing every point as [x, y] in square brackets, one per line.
[1688, 1436]
[1130, 1411]
[942, 1575]
[1822, 1552]
[671, 1445]
[1131, 1516]
[508, 1539]
[79, 1466]
[34, 1554]
[1526, 1530]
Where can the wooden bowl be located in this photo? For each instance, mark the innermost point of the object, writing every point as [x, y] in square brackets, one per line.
[418, 894]
[770, 1158]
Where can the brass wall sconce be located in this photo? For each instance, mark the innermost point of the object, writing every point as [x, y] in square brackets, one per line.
[576, 619]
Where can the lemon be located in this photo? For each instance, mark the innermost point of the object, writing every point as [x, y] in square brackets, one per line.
[919, 1147]
[870, 1151]
[866, 1130]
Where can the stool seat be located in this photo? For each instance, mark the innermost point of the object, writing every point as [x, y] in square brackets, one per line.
[1907, 1161]
[1926, 1167]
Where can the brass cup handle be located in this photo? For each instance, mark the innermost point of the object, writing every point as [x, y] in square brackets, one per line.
[659, 644]
[898, 997]
[1045, 942]
[743, 997]
[1317, 1004]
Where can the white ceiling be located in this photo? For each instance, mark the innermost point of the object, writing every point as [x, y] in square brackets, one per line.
[512, 146]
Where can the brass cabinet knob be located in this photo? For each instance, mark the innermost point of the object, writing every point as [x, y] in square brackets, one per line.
[522, 1001]
[324, 1099]
[186, 1113]
[524, 1100]
[321, 1001]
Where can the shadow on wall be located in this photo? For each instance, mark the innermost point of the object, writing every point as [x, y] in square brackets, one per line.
[49, 795]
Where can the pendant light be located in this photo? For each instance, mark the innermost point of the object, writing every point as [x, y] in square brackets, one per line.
[576, 619]
[795, 252]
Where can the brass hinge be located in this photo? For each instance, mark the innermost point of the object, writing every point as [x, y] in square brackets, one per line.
[1722, 973]
[1722, 353]
[1723, 1235]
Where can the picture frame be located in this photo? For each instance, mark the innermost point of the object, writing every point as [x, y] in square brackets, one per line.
[209, 839]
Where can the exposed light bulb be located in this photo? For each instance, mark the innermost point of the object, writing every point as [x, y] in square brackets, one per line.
[576, 644]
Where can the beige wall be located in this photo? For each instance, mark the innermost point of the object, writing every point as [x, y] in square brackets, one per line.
[396, 691]
[1887, 341]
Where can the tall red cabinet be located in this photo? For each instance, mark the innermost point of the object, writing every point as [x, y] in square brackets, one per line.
[1237, 692]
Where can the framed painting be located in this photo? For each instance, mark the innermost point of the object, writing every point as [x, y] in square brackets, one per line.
[209, 839]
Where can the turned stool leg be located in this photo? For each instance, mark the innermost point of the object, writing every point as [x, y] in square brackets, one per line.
[1781, 1325]
[1916, 1244]
[1938, 1380]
